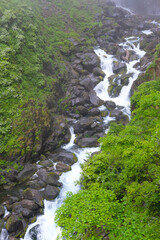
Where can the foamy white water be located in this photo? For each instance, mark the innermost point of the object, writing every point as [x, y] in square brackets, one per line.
[45, 228]
[147, 32]
[132, 44]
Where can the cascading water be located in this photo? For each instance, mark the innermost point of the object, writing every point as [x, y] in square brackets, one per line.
[101, 89]
[45, 228]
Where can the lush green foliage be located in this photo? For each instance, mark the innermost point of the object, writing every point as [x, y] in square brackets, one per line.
[35, 46]
[128, 167]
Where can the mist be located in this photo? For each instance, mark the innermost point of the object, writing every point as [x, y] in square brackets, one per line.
[145, 7]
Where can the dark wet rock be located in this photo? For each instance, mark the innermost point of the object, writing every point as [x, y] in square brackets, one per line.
[18, 209]
[125, 79]
[110, 105]
[1, 211]
[94, 99]
[27, 172]
[98, 72]
[104, 113]
[120, 116]
[89, 81]
[60, 135]
[33, 232]
[61, 167]
[27, 213]
[82, 110]
[120, 52]
[64, 157]
[14, 224]
[51, 192]
[29, 204]
[114, 90]
[89, 61]
[33, 194]
[46, 163]
[36, 184]
[94, 112]
[1, 224]
[48, 177]
[77, 101]
[118, 66]
[86, 123]
[88, 142]
[116, 113]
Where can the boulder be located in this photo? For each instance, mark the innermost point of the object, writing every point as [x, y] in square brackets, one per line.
[89, 61]
[18, 209]
[83, 124]
[51, 192]
[49, 177]
[116, 113]
[89, 82]
[88, 142]
[2, 212]
[98, 72]
[94, 99]
[64, 157]
[82, 110]
[1, 224]
[46, 163]
[33, 232]
[36, 184]
[120, 116]
[61, 167]
[14, 224]
[110, 105]
[29, 204]
[118, 66]
[33, 194]
[94, 112]
[27, 172]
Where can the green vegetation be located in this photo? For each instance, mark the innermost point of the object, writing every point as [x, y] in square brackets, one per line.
[120, 198]
[35, 47]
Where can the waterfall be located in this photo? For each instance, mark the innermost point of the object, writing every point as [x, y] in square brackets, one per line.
[45, 228]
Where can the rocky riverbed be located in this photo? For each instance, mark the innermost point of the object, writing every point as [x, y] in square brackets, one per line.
[25, 191]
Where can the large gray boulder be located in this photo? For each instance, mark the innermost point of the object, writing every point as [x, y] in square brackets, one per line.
[1, 211]
[62, 167]
[14, 224]
[27, 172]
[48, 177]
[64, 157]
[29, 204]
[33, 194]
[118, 67]
[84, 124]
[89, 82]
[110, 105]
[94, 99]
[51, 192]
[89, 61]
[88, 142]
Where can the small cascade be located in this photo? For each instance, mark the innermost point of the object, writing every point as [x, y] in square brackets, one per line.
[4, 235]
[45, 228]
[132, 44]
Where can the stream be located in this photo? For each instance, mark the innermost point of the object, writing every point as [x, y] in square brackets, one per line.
[45, 228]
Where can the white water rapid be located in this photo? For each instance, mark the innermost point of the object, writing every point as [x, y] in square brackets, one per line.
[45, 228]
[132, 44]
